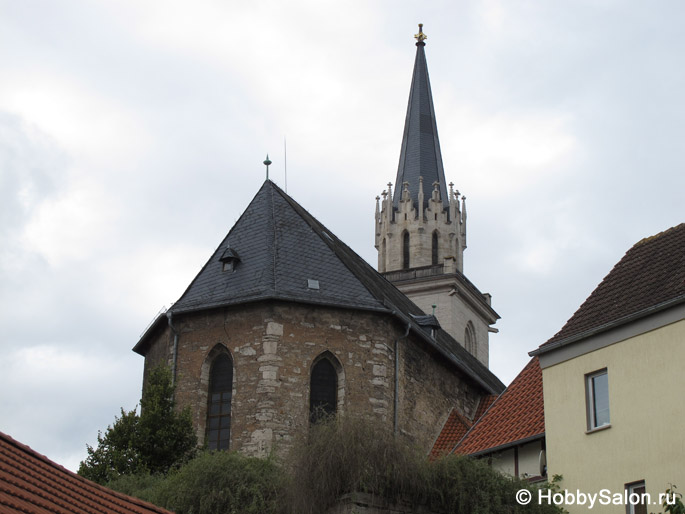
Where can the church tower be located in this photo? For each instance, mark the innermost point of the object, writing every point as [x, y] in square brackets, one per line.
[421, 227]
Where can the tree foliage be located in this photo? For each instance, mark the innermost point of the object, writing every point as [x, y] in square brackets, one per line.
[153, 442]
[673, 502]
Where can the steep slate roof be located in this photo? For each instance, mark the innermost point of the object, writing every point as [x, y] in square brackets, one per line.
[650, 277]
[281, 246]
[279, 253]
[517, 416]
[32, 484]
[420, 154]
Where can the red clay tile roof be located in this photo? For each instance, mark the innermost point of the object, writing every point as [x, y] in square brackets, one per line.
[32, 484]
[454, 429]
[650, 275]
[484, 405]
[517, 415]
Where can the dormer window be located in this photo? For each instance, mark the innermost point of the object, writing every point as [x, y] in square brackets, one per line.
[229, 260]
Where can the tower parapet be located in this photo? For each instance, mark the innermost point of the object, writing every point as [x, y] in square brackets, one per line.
[407, 237]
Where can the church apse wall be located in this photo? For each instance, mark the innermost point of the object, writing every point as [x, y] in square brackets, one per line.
[429, 388]
[273, 347]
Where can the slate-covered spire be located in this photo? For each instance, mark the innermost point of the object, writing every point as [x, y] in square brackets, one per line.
[420, 155]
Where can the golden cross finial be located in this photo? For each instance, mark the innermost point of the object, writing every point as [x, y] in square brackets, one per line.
[420, 37]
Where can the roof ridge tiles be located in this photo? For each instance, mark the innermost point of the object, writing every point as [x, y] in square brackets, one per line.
[649, 276]
[658, 235]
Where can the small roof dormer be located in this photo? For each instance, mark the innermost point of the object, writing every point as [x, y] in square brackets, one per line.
[229, 259]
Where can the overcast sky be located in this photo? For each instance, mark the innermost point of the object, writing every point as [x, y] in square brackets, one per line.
[132, 135]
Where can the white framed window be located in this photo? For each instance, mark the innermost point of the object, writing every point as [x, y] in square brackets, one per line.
[597, 393]
[637, 498]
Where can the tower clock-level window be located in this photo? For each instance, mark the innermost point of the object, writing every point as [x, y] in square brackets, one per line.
[470, 342]
[323, 395]
[405, 250]
[597, 397]
[219, 405]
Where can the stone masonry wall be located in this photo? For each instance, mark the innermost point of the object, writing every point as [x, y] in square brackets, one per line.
[273, 346]
[160, 351]
[429, 389]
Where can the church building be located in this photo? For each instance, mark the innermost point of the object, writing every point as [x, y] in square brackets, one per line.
[285, 323]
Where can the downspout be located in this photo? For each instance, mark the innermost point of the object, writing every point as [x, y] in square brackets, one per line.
[397, 380]
[174, 353]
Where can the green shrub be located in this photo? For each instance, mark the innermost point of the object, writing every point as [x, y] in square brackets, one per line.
[345, 455]
[224, 482]
[142, 485]
[460, 484]
[335, 457]
[352, 455]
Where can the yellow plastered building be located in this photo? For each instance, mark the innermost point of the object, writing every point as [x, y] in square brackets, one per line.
[614, 383]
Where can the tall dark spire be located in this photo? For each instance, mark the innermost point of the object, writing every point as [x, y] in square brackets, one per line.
[420, 155]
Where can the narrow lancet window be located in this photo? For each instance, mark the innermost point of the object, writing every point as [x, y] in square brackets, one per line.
[219, 405]
[470, 342]
[323, 396]
[434, 249]
[405, 250]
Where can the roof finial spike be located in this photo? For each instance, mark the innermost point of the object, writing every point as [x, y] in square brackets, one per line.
[267, 163]
[420, 37]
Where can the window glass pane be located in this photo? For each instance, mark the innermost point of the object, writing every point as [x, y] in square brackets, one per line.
[221, 375]
[219, 405]
[434, 248]
[600, 388]
[636, 504]
[323, 390]
[405, 250]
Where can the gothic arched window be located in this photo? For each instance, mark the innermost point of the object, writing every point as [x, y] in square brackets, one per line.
[323, 390]
[405, 250]
[470, 342]
[383, 255]
[434, 249]
[219, 404]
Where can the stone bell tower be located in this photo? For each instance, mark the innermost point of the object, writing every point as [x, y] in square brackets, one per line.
[421, 228]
